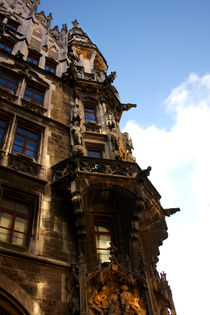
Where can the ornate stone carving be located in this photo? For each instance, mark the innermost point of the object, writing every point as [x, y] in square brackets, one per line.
[105, 167]
[92, 127]
[77, 133]
[111, 294]
[128, 146]
[31, 105]
[110, 78]
[75, 113]
[66, 167]
[23, 163]
[71, 166]
[55, 32]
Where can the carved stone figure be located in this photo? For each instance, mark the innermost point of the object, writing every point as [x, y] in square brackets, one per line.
[77, 133]
[99, 301]
[128, 302]
[127, 142]
[115, 141]
[75, 113]
[114, 308]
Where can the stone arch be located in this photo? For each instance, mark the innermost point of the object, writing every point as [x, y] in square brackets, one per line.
[14, 300]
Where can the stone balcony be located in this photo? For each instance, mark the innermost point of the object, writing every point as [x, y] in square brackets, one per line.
[71, 166]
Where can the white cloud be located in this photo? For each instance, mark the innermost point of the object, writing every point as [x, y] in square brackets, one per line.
[180, 160]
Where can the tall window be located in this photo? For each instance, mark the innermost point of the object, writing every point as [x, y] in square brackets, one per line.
[102, 240]
[26, 141]
[14, 221]
[33, 58]
[90, 114]
[8, 81]
[34, 93]
[50, 66]
[6, 45]
[3, 129]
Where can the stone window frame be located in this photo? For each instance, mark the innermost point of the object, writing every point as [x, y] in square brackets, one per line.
[26, 199]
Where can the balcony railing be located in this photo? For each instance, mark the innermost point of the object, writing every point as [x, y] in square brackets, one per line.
[70, 167]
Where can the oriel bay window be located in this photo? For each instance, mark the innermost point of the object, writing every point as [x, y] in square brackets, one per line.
[14, 221]
[8, 81]
[102, 230]
[26, 141]
[34, 93]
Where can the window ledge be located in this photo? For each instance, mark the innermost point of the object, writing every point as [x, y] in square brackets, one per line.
[34, 106]
[24, 163]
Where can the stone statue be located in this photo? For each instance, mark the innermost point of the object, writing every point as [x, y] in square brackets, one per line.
[110, 78]
[77, 133]
[99, 301]
[114, 308]
[128, 302]
[115, 138]
[75, 113]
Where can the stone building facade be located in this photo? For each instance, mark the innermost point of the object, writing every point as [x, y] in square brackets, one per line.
[80, 222]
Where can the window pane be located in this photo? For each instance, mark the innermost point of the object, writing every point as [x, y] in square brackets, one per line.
[22, 131]
[22, 208]
[5, 219]
[103, 255]
[95, 154]
[3, 123]
[19, 239]
[102, 228]
[31, 153]
[17, 149]
[103, 241]
[4, 235]
[8, 204]
[21, 224]
[31, 145]
[33, 135]
[19, 140]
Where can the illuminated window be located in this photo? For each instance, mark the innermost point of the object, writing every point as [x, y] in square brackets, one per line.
[34, 93]
[26, 141]
[6, 45]
[3, 129]
[14, 221]
[102, 240]
[90, 114]
[8, 81]
[33, 58]
[50, 66]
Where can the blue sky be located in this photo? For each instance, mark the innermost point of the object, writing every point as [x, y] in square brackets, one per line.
[161, 53]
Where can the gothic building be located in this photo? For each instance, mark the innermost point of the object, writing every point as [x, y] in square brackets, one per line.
[80, 222]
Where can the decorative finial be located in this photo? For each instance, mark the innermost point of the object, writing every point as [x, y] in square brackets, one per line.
[75, 23]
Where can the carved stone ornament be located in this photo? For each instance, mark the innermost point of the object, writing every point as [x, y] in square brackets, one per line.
[108, 292]
[75, 113]
[55, 32]
[23, 163]
[34, 107]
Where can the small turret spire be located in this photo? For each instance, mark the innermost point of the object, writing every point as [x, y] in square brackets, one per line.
[75, 23]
